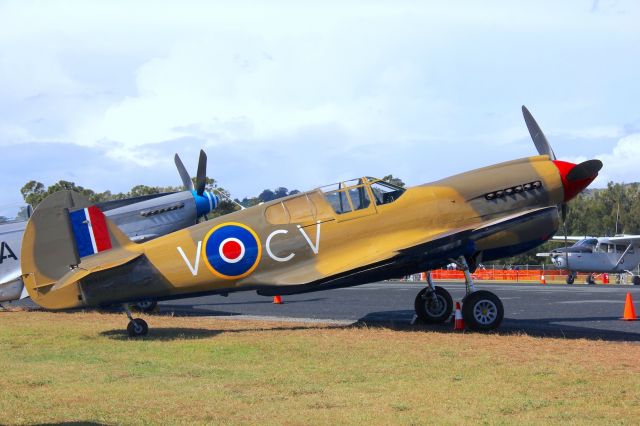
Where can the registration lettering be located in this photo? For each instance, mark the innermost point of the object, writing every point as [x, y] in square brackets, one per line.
[238, 252]
[6, 252]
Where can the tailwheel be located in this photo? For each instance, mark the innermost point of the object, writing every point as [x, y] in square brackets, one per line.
[137, 327]
[482, 311]
[145, 306]
[433, 306]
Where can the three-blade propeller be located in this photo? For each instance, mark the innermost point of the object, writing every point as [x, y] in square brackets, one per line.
[201, 176]
[580, 172]
[205, 201]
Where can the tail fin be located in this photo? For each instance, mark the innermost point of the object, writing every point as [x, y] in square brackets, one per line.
[65, 240]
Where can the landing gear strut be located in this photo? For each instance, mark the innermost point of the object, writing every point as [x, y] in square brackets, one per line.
[137, 326]
[146, 306]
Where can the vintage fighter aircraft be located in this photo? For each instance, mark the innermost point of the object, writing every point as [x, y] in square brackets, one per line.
[612, 255]
[342, 235]
[140, 218]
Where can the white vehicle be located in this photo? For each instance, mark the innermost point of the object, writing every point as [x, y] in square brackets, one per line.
[612, 255]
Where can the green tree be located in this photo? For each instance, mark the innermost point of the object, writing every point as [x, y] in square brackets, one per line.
[33, 192]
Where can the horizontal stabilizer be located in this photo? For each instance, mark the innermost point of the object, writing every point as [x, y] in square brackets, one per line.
[73, 276]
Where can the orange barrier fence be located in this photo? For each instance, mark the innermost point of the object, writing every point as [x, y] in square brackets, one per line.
[513, 275]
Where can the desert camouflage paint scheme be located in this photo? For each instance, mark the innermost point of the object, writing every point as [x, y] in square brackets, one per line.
[303, 243]
[342, 235]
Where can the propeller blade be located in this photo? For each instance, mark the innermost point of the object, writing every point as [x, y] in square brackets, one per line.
[186, 180]
[585, 170]
[201, 177]
[539, 139]
[563, 212]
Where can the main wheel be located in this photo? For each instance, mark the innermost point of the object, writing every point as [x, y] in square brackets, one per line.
[145, 306]
[433, 311]
[590, 279]
[570, 278]
[137, 327]
[482, 311]
[635, 280]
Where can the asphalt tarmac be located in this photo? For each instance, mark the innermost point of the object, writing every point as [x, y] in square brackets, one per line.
[577, 311]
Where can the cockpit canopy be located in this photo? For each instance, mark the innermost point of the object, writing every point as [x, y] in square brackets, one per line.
[357, 197]
[356, 194]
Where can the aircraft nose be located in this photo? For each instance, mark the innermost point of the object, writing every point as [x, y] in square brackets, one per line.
[576, 177]
[205, 203]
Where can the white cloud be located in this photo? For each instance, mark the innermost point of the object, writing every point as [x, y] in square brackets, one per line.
[623, 163]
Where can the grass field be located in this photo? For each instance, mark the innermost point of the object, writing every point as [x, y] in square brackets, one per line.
[81, 367]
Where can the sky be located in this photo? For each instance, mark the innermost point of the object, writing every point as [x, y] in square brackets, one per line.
[303, 94]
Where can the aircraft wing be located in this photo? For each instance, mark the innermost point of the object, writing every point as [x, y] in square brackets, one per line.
[461, 240]
[625, 239]
[437, 248]
[560, 238]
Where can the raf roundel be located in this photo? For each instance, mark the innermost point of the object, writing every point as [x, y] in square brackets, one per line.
[232, 250]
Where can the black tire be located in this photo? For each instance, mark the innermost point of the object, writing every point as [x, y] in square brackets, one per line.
[590, 279]
[146, 306]
[137, 327]
[433, 313]
[570, 279]
[635, 280]
[482, 311]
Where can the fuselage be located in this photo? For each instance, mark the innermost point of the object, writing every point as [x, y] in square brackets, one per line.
[328, 236]
[597, 255]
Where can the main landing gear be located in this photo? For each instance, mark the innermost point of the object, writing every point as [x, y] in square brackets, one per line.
[571, 277]
[137, 326]
[481, 310]
[433, 304]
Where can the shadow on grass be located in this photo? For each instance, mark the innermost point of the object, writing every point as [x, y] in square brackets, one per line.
[164, 334]
[565, 327]
[186, 333]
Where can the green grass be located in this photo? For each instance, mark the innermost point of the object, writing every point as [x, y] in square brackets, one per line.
[81, 367]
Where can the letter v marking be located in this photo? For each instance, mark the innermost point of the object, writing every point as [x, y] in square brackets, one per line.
[315, 247]
[196, 263]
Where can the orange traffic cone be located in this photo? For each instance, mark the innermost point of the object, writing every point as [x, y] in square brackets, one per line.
[277, 300]
[542, 279]
[459, 322]
[629, 311]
